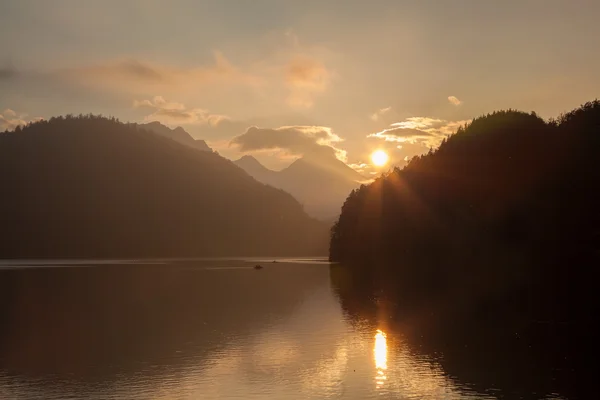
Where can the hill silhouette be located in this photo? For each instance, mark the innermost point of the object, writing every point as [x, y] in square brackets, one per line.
[489, 242]
[89, 186]
[502, 220]
[320, 184]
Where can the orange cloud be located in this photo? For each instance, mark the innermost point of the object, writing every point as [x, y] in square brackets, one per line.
[454, 100]
[379, 113]
[359, 167]
[9, 120]
[429, 131]
[316, 141]
[135, 74]
[177, 113]
[305, 77]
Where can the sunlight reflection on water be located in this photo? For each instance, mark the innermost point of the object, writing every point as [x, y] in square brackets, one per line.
[380, 353]
[195, 333]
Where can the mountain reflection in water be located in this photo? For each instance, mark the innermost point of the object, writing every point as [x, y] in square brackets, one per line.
[208, 329]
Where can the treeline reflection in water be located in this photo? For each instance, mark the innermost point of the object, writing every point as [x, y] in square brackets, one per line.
[221, 329]
[542, 361]
[100, 325]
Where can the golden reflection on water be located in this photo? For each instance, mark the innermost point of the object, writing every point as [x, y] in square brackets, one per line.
[380, 353]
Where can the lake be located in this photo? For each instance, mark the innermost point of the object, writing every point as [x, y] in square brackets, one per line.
[211, 329]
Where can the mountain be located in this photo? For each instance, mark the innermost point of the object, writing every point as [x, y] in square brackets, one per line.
[255, 169]
[91, 187]
[333, 167]
[178, 134]
[321, 185]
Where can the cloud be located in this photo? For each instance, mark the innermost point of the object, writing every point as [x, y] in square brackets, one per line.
[267, 76]
[143, 76]
[454, 100]
[135, 77]
[305, 78]
[424, 130]
[420, 123]
[360, 167]
[414, 136]
[318, 141]
[130, 69]
[395, 134]
[9, 120]
[379, 113]
[176, 113]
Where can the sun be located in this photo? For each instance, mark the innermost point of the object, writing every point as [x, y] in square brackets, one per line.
[379, 158]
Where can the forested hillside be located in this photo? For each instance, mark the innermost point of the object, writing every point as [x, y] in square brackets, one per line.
[503, 215]
[90, 186]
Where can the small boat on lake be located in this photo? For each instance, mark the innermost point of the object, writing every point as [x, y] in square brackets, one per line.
[258, 266]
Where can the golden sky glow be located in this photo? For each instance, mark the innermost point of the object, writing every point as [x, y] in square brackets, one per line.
[401, 83]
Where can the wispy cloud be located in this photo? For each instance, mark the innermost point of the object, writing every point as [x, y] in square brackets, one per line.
[10, 119]
[360, 167]
[429, 131]
[291, 77]
[177, 113]
[454, 100]
[420, 123]
[319, 141]
[379, 113]
[395, 134]
[305, 78]
[142, 76]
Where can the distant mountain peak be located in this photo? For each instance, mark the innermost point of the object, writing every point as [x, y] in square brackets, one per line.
[331, 166]
[248, 158]
[253, 167]
[321, 184]
[154, 123]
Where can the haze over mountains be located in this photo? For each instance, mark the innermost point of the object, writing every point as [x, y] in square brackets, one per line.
[92, 187]
[321, 185]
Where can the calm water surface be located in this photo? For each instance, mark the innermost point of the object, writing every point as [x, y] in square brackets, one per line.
[211, 329]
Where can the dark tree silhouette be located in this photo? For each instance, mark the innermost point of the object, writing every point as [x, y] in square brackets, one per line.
[89, 186]
[504, 212]
[490, 240]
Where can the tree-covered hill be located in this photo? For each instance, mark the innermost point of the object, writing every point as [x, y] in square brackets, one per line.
[90, 186]
[505, 211]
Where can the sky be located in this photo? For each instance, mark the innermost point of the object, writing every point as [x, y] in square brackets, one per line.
[280, 79]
